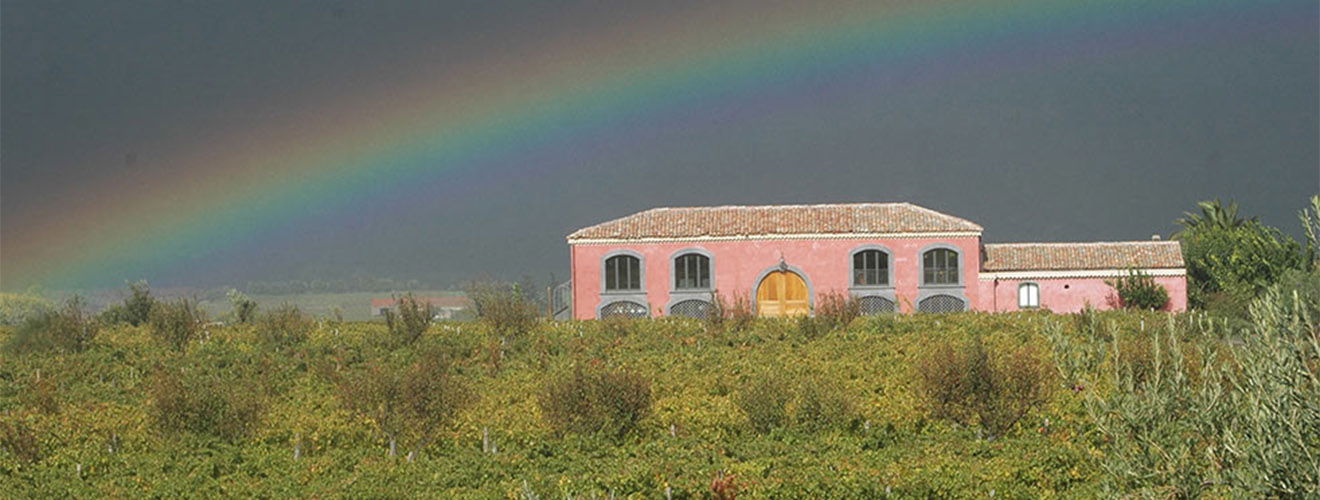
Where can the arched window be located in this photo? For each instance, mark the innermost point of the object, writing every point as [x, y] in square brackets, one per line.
[623, 272]
[623, 309]
[873, 304]
[692, 272]
[870, 268]
[941, 304]
[940, 267]
[691, 308]
[1028, 295]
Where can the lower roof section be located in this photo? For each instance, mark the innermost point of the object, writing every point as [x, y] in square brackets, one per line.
[1100, 258]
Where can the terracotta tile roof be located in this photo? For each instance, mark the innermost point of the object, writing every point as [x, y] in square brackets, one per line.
[1081, 256]
[777, 220]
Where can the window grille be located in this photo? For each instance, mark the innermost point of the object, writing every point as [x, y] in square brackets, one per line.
[870, 267]
[692, 271]
[623, 272]
[875, 305]
[692, 308]
[940, 267]
[1028, 295]
[623, 309]
[941, 304]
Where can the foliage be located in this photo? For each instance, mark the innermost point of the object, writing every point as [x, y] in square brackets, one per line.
[1234, 257]
[102, 438]
[504, 307]
[734, 315]
[1310, 218]
[18, 307]
[245, 309]
[136, 308]
[836, 310]
[1215, 418]
[177, 323]
[967, 385]
[772, 401]
[197, 400]
[409, 404]
[765, 401]
[596, 400]
[284, 326]
[68, 329]
[409, 320]
[17, 438]
[1138, 290]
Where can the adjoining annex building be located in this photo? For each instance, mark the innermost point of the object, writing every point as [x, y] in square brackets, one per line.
[892, 257]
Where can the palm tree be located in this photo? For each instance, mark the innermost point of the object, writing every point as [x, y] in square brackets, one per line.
[1214, 215]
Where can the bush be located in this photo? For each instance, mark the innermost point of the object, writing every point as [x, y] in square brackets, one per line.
[19, 440]
[15, 308]
[966, 385]
[245, 309]
[136, 308]
[1138, 290]
[504, 307]
[836, 310]
[738, 313]
[176, 324]
[822, 404]
[765, 401]
[408, 405]
[589, 401]
[1244, 424]
[193, 400]
[285, 326]
[412, 319]
[67, 329]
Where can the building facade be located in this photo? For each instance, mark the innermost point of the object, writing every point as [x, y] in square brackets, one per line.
[892, 257]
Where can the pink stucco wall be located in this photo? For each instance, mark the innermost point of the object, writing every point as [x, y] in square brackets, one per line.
[737, 265]
[1069, 295]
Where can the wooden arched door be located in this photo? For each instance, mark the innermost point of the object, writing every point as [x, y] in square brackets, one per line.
[782, 293]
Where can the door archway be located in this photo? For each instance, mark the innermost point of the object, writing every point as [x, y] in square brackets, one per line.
[783, 293]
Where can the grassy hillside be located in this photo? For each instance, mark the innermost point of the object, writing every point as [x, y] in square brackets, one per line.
[91, 423]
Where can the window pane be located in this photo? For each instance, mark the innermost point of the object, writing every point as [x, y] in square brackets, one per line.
[940, 267]
[623, 272]
[703, 272]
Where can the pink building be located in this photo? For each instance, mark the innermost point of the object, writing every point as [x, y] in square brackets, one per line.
[893, 257]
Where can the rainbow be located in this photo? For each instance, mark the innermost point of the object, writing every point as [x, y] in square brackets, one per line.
[244, 184]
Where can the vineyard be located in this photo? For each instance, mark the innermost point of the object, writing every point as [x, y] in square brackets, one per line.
[1021, 405]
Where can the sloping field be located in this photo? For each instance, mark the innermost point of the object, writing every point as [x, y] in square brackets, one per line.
[776, 409]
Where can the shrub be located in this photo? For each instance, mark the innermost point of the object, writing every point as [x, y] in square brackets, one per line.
[822, 404]
[284, 326]
[411, 320]
[967, 385]
[504, 307]
[771, 401]
[194, 400]
[1138, 290]
[176, 324]
[1245, 425]
[765, 401]
[15, 308]
[67, 329]
[604, 401]
[19, 440]
[136, 308]
[836, 310]
[739, 312]
[409, 405]
[245, 309]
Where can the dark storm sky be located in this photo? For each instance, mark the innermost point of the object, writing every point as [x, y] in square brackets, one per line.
[1102, 146]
